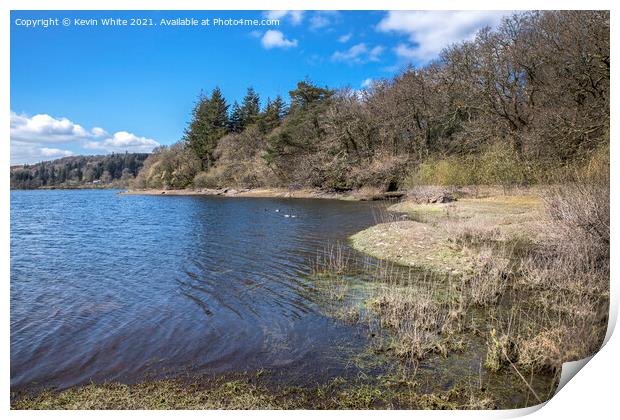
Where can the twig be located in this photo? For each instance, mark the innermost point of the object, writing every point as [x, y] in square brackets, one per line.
[521, 376]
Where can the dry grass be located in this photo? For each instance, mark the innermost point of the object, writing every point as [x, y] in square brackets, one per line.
[496, 217]
[490, 278]
[413, 244]
[410, 313]
[565, 279]
[333, 259]
[248, 393]
[420, 316]
[538, 263]
[158, 395]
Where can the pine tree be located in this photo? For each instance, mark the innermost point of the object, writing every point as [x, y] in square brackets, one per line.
[218, 113]
[250, 108]
[235, 118]
[273, 114]
[307, 94]
[209, 124]
[196, 133]
[279, 107]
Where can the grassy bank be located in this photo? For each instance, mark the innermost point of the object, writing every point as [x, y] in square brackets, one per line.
[249, 392]
[528, 272]
[432, 237]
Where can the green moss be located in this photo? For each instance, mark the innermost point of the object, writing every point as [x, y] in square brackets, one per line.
[431, 240]
[158, 395]
[413, 244]
[381, 392]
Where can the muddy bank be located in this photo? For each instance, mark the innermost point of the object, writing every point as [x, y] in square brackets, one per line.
[360, 195]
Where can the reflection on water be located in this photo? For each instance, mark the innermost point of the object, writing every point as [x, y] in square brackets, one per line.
[109, 287]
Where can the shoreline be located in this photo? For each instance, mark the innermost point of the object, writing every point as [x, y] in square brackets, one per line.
[359, 195]
[73, 187]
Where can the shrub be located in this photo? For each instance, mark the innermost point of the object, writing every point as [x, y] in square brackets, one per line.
[169, 167]
[500, 165]
[497, 165]
[450, 171]
[205, 180]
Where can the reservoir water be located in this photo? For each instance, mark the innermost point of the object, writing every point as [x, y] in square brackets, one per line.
[110, 287]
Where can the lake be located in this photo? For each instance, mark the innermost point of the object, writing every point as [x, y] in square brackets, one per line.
[110, 287]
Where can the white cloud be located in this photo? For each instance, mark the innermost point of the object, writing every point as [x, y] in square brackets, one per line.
[295, 16]
[319, 21]
[429, 32]
[358, 54]
[98, 131]
[41, 137]
[121, 141]
[45, 129]
[276, 39]
[54, 153]
[366, 83]
[345, 38]
[407, 52]
[325, 20]
[25, 152]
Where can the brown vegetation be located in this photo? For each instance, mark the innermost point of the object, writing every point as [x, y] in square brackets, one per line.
[249, 393]
[536, 282]
[519, 105]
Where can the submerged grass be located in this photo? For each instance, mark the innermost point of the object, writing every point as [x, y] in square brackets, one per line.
[384, 392]
[529, 273]
[158, 395]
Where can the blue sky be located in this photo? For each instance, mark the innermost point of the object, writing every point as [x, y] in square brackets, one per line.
[100, 89]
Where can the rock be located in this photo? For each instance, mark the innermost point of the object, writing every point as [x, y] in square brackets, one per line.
[393, 195]
[441, 198]
[232, 191]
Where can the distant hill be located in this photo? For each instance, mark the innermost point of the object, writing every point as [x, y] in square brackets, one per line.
[115, 170]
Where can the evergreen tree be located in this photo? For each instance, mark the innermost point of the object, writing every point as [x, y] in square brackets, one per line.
[218, 113]
[196, 133]
[209, 124]
[273, 114]
[278, 107]
[308, 94]
[250, 108]
[235, 118]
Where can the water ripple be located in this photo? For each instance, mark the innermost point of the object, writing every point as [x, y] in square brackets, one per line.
[108, 287]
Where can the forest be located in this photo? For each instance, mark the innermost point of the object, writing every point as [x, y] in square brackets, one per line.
[74, 171]
[525, 103]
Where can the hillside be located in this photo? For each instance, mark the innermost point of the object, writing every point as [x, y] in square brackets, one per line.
[113, 170]
[525, 103]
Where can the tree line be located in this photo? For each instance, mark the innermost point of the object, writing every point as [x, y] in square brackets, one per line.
[519, 104]
[118, 168]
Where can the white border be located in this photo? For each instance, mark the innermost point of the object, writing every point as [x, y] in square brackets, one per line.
[592, 394]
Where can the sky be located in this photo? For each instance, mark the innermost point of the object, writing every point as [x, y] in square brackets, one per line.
[79, 88]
